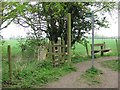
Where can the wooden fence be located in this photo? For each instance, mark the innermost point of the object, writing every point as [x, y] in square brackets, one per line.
[58, 52]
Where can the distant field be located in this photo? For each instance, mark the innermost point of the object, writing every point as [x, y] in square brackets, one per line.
[110, 43]
[79, 49]
[15, 49]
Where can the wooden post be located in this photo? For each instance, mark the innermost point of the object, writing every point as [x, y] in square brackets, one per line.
[69, 37]
[9, 61]
[116, 43]
[59, 50]
[50, 49]
[54, 56]
[63, 51]
[104, 45]
[92, 39]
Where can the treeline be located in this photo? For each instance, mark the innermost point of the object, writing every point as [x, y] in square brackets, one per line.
[103, 37]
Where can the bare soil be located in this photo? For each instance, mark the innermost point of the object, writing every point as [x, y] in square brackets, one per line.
[109, 77]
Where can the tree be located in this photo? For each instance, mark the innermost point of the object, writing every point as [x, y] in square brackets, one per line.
[50, 17]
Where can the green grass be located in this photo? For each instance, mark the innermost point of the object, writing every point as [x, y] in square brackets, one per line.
[112, 64]
[33, 73]
[92, 76]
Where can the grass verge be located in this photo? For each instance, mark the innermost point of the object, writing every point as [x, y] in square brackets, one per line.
[112, 64]
[92, 76]
[27, 74]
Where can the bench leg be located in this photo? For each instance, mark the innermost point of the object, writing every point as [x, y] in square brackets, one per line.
[101, 51]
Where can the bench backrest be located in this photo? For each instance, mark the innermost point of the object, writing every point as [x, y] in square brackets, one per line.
[99, 44]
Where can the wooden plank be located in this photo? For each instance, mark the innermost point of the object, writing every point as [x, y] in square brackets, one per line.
[98, 44]
[56, 53]
[58, 45]
[104, 50]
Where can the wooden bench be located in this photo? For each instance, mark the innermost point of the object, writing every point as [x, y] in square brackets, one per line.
[102, 48]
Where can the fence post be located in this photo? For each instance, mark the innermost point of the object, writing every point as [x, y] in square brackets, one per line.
[50, 49]
[9, 62]
[63, 51]
[59, 49]
[116, 42]
[69, 37]
[104, 45]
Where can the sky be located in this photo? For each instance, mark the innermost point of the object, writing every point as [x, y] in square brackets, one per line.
[14, 30]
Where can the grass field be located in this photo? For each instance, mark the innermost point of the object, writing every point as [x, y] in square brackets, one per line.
[15, 49]
[110, 43]
[79, 49]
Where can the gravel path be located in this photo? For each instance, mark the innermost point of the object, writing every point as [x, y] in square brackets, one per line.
[109, 77]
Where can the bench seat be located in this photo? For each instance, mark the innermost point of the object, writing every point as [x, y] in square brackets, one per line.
[104, 50]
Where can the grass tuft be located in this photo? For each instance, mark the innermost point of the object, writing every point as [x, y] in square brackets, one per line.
[92, 76]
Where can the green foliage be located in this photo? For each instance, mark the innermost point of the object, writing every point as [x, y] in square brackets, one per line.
[92, 76]
[2, 42]
[32, 73]
[112, 64]
[54, 13]
[29, 47]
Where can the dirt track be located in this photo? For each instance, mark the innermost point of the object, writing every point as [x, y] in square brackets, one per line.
[110, 78]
